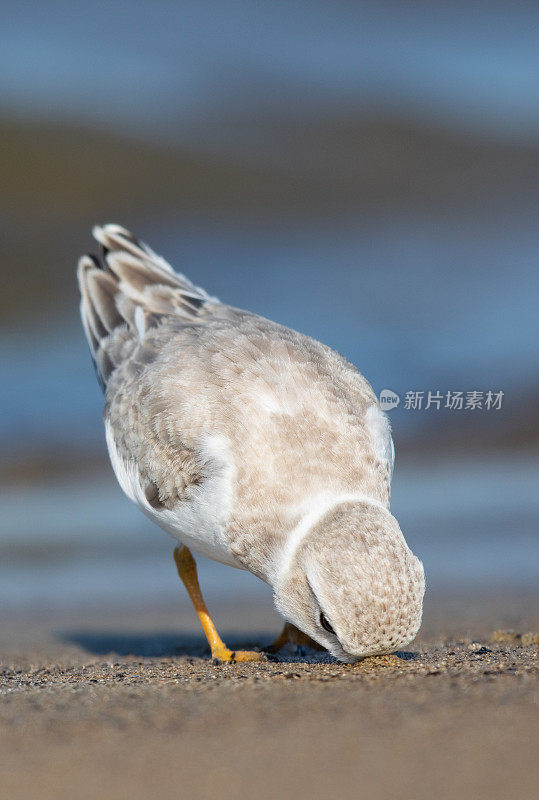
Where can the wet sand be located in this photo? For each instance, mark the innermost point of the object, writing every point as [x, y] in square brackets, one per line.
[125, 704]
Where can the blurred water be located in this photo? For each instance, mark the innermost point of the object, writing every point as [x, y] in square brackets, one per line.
[473, 523]
[422, 300]
[412, 304]
[172, 69]
[458, 318]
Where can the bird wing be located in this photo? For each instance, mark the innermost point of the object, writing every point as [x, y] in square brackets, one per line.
[133, 304]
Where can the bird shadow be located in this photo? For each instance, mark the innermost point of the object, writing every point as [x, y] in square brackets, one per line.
[407, 655]
[168, 644]
[158, 644]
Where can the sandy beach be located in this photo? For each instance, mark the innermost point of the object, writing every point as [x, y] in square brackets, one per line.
[125, 704]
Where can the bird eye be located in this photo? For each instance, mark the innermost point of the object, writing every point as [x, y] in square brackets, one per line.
[324, 622]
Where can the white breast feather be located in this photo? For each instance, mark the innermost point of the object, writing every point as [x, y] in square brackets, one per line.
[198, 521]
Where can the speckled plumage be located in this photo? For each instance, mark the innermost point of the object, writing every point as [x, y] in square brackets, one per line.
[228, 430]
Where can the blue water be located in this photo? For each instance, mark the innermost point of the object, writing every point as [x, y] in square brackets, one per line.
[413, 305]
[473, 523]
[417, 302]
[189, 70]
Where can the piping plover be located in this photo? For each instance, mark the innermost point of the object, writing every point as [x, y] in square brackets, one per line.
[254, 445]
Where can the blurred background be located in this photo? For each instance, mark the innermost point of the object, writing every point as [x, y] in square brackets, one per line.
[364, 172]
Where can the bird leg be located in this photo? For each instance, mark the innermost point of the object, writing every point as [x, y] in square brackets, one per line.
[187, 570]
[292, 635]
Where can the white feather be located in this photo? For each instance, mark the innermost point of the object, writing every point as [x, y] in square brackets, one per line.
[199, 521]
[315, 508]
[380, 431]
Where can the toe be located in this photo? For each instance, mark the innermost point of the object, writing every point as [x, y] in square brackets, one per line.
[248, 655]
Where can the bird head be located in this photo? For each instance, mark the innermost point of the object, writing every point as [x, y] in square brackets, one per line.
[352, 583]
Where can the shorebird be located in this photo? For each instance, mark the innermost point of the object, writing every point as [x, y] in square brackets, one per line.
[254, 445]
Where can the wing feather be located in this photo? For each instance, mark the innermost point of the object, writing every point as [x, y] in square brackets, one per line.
[128, 291]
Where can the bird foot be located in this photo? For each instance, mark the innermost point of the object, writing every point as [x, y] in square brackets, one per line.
[224, 655]
[291, 635]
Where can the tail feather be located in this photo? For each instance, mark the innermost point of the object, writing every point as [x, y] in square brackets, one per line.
[102, 289]
[126, 292]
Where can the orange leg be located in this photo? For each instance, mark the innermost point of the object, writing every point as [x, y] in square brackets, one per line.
[292, 635]
[187, 570]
